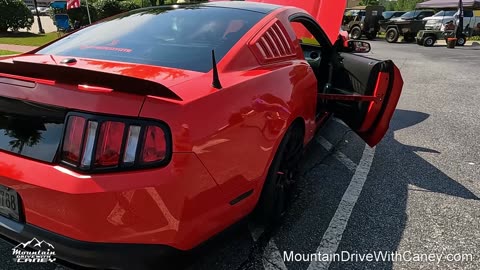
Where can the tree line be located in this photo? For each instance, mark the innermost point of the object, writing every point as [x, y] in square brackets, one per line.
[393, 5]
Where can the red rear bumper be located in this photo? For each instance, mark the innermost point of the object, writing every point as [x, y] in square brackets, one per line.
[178, 205]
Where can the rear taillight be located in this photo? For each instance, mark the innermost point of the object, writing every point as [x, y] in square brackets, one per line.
[154, 148]
[101, 143]
[73, 139]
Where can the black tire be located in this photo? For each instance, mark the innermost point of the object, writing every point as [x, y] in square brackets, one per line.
[372, 35]
[429, 41]
[356, 32]
[392, 35]
[461, 40]
[280, 178]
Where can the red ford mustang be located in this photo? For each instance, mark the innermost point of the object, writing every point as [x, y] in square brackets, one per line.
[154, 130]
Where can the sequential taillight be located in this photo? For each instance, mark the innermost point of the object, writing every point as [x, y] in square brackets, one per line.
[101, 143]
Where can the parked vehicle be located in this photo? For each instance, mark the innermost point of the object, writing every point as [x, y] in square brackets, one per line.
[441, 18]
[428, 38]
[407, 25]
[362, 20]
[42, 11]
[435, 27]
[388, 15]
[151, 131]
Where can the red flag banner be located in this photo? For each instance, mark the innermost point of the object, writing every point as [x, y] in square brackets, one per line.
[71, 4]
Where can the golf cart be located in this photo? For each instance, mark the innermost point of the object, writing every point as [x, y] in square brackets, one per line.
[362, 20]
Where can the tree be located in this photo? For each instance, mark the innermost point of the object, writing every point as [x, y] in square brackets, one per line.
[14, 14]
[389, 5]
[369, 3]
[160, 2]
[407, 4]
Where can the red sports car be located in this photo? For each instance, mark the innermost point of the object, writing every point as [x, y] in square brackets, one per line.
[154, 130]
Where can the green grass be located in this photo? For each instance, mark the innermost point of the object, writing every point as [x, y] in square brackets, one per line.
[27, 39]
[475, 38]
[3, 52]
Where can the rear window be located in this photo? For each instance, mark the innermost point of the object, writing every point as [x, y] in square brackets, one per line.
[178, 38]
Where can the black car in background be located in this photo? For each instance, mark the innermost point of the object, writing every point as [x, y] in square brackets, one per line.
[387, 15]
[407, 25]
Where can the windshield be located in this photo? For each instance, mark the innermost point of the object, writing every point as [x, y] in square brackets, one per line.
[179, 38]
[445, 13]
[354, 12]
[410, 14]
[388, 14]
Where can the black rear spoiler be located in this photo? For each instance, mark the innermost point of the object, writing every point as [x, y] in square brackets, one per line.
[76, 76]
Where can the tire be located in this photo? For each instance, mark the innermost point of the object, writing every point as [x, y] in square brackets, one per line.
[429, 41]
[372, 35]
[392, 35]
[461, 41]
[356, 32]
[280, 178]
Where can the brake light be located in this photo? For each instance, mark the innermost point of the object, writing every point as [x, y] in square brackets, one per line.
[109, 144]
[94, 143]
[73, 139]
[154, 148]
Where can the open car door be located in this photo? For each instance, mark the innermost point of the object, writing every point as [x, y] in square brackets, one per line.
[364, 93]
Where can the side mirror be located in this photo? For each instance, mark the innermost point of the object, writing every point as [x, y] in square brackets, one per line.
[356, 46]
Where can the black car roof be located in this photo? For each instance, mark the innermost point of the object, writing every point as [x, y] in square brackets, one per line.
[240, 5]
[250, 6]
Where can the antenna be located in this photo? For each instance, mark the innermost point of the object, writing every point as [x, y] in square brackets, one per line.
[216, 80]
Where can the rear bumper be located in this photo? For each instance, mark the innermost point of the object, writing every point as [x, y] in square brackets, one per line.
[179, 205]
[88, 254]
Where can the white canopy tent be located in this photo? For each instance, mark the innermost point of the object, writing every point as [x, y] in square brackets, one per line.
[449, 4]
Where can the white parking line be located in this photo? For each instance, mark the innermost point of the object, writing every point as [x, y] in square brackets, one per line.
[333, 235]
[272, 259]
[352, 166]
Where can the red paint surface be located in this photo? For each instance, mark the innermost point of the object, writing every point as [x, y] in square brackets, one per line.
[223, 143]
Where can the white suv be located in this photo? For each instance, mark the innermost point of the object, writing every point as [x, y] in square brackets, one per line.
[443, 17]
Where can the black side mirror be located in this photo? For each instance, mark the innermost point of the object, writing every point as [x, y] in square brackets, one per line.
[356, 46]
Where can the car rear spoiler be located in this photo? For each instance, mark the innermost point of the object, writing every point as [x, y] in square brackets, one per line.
[38, 72]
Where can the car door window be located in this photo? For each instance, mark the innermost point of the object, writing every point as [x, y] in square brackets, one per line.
[314, 46]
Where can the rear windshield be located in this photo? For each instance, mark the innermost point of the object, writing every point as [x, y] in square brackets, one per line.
[178, 38]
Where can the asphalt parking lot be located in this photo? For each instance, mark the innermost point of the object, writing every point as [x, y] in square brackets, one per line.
[415, 194]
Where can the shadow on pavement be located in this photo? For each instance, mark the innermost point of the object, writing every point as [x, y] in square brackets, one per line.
[379, 218]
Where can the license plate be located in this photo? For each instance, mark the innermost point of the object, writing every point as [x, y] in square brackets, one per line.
[9, 203]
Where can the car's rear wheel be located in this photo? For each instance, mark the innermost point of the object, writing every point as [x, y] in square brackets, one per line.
[429, 41]
[356, 32]
[392, 35]
[282, 175]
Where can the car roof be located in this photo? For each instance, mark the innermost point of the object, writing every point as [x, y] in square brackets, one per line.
[250, 6]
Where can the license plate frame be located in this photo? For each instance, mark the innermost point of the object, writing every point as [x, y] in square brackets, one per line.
[9, 203]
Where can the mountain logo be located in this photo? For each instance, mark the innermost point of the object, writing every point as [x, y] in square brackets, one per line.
[34, 251]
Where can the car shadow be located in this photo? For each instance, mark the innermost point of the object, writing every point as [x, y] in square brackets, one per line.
[380, 216]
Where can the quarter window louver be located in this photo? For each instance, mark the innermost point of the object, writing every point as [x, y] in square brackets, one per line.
[273, 45]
